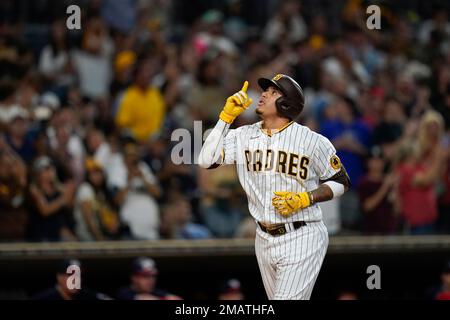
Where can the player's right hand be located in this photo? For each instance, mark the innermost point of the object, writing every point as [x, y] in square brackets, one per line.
[236, 104]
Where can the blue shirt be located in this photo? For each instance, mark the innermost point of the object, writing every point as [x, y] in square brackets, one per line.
[353, 162]
[193, 231]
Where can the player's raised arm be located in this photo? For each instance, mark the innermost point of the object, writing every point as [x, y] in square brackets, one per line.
[213, 151]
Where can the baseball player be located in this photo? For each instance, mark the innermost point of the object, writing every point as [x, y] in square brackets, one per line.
[286, 169]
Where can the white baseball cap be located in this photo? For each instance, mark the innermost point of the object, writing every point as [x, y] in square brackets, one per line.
[17, 111]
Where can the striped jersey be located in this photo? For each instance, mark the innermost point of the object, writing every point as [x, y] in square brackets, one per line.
[294, 159]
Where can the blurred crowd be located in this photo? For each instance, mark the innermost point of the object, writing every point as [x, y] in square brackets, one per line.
[86, 116]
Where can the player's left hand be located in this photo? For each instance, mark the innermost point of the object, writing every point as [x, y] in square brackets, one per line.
[286, 202]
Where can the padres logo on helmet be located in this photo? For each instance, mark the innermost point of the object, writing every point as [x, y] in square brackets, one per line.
[277, 77]
[291, 104]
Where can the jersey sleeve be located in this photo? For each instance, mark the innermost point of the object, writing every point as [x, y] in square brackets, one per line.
[219, 147]
[326, 162]
[229, 147]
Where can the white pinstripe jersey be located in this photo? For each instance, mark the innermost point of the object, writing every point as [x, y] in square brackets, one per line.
[293, 159]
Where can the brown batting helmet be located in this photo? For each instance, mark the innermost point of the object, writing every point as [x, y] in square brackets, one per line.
[291, 104]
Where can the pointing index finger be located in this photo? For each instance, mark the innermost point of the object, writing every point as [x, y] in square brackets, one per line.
[245, 86]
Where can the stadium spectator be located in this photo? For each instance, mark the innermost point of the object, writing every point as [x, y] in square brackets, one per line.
[92, 61]
[142, 108]
[176, 221]
[207, 95]
[287, 24]
[54, 61]
[419, 167]
[211, 35]
[136, 189]
[62, 291]
[18, 134]
[123, 71]
[221, 212]
[390, 128]
[351, 138]
[377, 196]
[50, 203]
[97, 146]
[95, 216]
[66, 146]
[144, 275]
[13, 183]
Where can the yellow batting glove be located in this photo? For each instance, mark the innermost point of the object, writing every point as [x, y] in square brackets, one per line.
[236, 104]
[286, 202]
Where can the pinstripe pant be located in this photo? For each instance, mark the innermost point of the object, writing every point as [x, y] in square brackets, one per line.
[290, 263]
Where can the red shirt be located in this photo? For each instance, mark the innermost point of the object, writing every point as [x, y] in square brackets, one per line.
[419, 203]
[381, 219]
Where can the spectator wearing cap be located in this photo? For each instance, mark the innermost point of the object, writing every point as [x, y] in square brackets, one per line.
[94, 214]
[376, 191]
[442, 291]
[62, 291]
[13, 182]
[142, 108]
[50, 204]
[123, 71]
[231, 290]
[143, 283]
[135, 189]
[18, 134]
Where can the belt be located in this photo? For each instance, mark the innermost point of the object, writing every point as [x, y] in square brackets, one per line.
[281, 228]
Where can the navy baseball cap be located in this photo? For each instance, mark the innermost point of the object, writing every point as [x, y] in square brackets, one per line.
[144, 266]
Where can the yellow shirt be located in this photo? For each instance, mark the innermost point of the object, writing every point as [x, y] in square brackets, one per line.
[142, 112]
